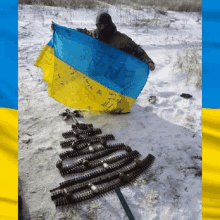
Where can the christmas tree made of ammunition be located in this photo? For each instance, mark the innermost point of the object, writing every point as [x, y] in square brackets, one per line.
[94, 152]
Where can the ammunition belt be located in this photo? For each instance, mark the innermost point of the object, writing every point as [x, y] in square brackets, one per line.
[86, 166]
[97, 156]
[75, 195]
[66, 154]
[89, 176]
[81, 183]
[89, 149]
[77, 134]
[82, 126]
[92, 140]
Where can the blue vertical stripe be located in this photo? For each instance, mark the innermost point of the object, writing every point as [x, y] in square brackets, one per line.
[211, 54]
[9, 109]
[9, 54]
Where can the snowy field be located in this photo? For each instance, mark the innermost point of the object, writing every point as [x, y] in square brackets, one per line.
[170, 129]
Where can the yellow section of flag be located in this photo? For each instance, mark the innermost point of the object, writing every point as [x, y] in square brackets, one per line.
[76, 90]
[211, 164]
[9, 163]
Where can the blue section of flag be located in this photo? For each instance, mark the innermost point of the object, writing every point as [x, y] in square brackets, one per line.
[105, 64]
[9, 54]
[210, 54]
[210, 6]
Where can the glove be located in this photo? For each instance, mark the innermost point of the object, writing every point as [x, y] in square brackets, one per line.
[151, 66]
[52, 27]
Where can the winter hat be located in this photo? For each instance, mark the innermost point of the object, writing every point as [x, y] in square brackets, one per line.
[103, 18]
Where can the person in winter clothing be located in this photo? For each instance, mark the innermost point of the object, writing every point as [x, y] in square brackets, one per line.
[107, 32]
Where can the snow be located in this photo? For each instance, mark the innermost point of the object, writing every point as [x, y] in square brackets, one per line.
[170, 129]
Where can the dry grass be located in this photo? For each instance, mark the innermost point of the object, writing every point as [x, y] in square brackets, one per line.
[155, 21]
[74, 4]
[173, 5]
[189, 62]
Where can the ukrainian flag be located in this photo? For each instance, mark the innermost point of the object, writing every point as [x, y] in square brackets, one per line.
[211, 111]
[8, 110]
[85, 73]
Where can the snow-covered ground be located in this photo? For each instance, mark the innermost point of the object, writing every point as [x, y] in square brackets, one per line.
[170, 129]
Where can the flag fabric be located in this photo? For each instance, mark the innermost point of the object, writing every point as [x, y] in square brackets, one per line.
[9, 109]
[210, 163]
[211, 111]
[84, 73]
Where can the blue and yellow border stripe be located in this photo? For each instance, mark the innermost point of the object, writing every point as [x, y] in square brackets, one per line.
[9, 109]
[210, 194]
[211, 111]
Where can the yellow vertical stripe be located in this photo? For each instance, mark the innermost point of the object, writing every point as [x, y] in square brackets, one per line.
[211, 164]
[9, 163]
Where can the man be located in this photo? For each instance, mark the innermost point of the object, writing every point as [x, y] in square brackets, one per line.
[107, 32]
